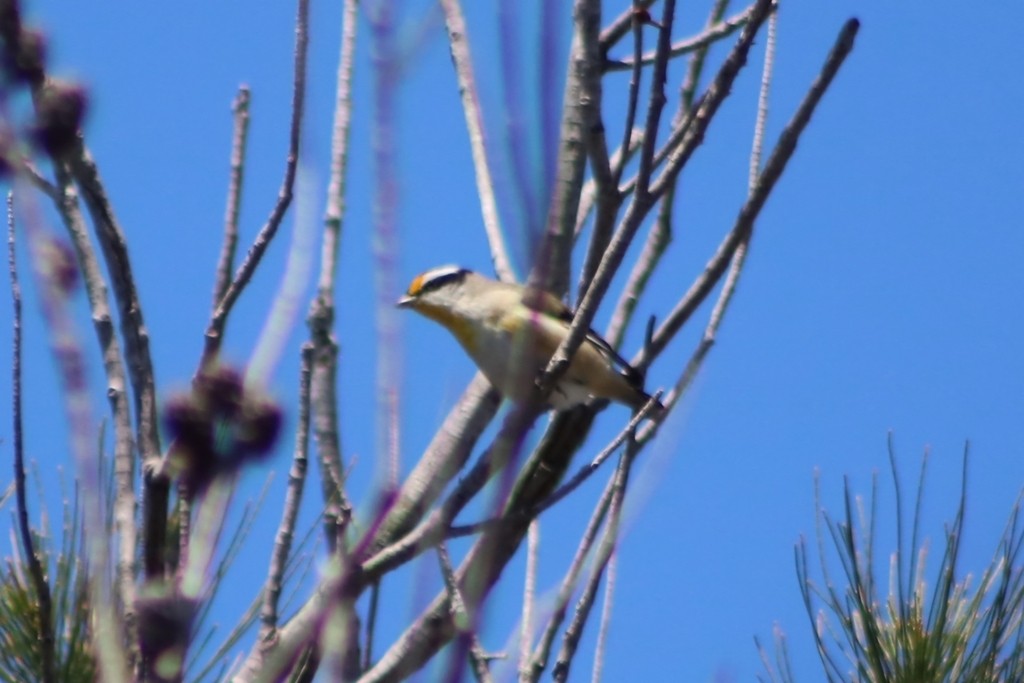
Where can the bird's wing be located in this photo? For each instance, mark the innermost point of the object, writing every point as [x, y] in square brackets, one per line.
[553, 307]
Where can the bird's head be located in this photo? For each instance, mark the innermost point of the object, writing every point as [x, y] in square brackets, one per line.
[440, 294]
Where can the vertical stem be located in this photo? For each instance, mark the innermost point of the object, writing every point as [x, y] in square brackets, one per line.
[35, 567]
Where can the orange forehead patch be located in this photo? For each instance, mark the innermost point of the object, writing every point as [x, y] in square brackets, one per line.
[416, 285]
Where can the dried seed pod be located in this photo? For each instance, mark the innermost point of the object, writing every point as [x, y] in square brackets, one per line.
[258, 426]
[60, 110]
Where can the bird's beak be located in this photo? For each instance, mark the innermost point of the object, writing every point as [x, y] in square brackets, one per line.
[405, 302]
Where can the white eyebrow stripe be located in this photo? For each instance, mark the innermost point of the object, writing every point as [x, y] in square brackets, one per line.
[440, 271]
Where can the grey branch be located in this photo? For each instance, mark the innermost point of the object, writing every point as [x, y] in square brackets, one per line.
[458, 42]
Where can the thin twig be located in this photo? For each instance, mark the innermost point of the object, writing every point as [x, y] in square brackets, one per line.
[37, 179]
[137, 355]
[432, 530]
[458, 43]
[609, 541]
[710, 35]
[239, 136]
[606, 180]
[651, 257]
[569, 486]
[620, 26]
[215, 328]
[66, 203]
[653, 249]
[688, 132]
[685, 140]
[321, 310]
[739, 254]
[634, 93]
[588, 196]
[35, 567]
[639, 205]
[580, 114]
[443, 459]
[550, 23]
[762, 101]
[773, 169]
[698, 60]
[464, 619]
[529, 599]
[606, 618]
[660, 235]
[293, 499]
[609, 199]
[656, 102]
[539, 660]
[371, 625]
[72, 370]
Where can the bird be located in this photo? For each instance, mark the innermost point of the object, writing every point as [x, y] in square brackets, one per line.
[511, 332]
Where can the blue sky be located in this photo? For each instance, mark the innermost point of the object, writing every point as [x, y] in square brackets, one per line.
[882, 292]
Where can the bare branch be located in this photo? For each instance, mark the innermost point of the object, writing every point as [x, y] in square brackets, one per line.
[773, 169]
[654, 248]
[739, 255]
[293, 499]
[660, 235]
[539, 660]
[35, 567]
[609, 541]
[639, 206]
[580, 114]
[326, 431]
[215, 328]
[568, 487]
[656, 103]
[50, 265]
[432, 530]
[618, 29]
[695, 68]
[339, 642]
[606, 180]
[710, 35]
[66, 202]
[444, 458]
[689, 135]
[321, 310]
[762, 101]
[485, 561]
[41, 183]
[269, 661]
[371, 625]
[137, 354]
[618, 161]
[529, 594]
[341, 130]
[240, 110]
[606, 619]
[465, 621]
[458, 42]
